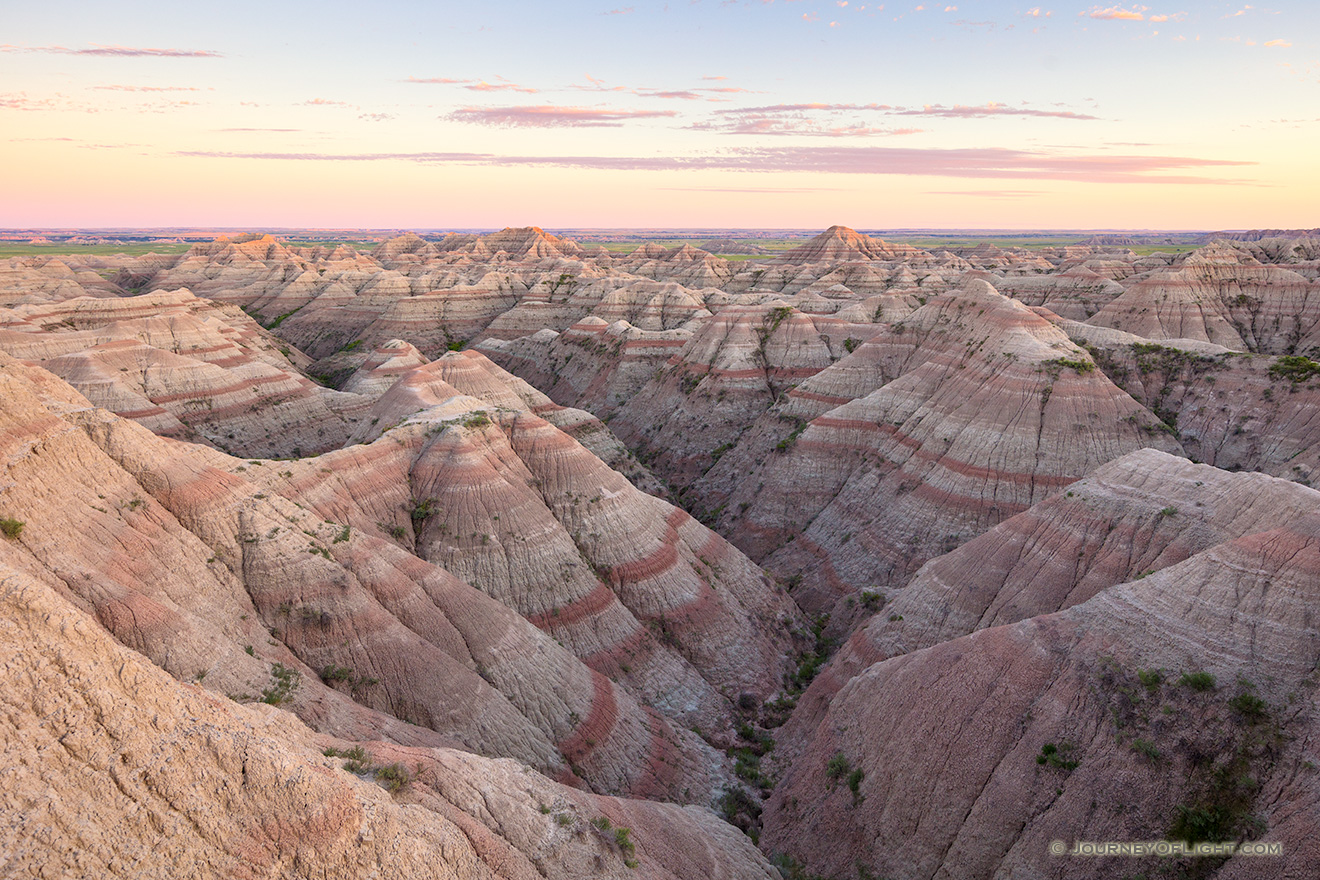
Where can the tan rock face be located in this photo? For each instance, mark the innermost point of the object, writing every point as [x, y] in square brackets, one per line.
[183, 559]
[975, 753]
[476, 579]
[1219, 295]
[185, 368]
[992, 410]
[636, 588]
[114, 769]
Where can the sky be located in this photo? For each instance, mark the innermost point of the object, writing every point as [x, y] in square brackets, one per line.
[687, 113]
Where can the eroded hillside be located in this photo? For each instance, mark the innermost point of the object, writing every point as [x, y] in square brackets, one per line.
[465, 554]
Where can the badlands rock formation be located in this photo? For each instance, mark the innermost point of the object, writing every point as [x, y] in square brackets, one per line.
[905, 562]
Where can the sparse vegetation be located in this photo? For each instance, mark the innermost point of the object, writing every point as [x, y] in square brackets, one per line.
[1294, 368]
[421, 510]
[1058, 756]
[284, 681]
[12, 528]
[1197, 681]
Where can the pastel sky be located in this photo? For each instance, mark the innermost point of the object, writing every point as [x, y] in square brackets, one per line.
[741, 113]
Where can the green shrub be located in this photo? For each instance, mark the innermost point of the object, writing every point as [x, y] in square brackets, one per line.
[1058, 756]
[421, 509]
[1197, 681]
[1294, 368]
[12, 528]
[284, 681]
[837, 767]
[1251, 707]
[1195, 824]
[395, 776]
[1151, 678]
[1146, 749]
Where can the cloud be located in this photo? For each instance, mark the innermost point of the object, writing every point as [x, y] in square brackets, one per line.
[1034, 12]
[990, 163]
[550, 116]
[21, 101]
[483, 86]
[797, 119]
[436, 80]
[799, 108]
[1278, 44]
[765, 125]
[258, 129]
[626, 10]
[681, 94]
[325, 102]
[116, 51]
[700, 93]
[1117, 13]
[989, 193]
[148, 88]
[375, 117]
[958, 111]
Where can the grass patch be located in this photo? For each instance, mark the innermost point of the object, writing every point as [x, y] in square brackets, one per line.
[1294, 368]
[1197, 681]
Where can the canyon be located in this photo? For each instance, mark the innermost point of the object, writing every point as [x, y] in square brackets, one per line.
[505, 555]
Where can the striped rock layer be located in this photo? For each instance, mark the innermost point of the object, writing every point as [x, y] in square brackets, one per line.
[1140, 714]
[178, 552]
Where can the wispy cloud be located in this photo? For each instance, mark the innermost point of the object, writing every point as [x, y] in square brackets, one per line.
[473, 85]
[258, 129]
[118, 88]
[1117, 13]
[375, 117]
[989, 193]
[552, 116]
[812, 120]
[325, 102]
[973, 163]
[700, 93]
[483, 86]
[959, 111]
[787, 118]
[116, 51]
[1278, 44]
[767, 125]
[626, 10]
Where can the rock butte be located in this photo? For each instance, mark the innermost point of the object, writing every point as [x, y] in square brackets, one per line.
[530, 542]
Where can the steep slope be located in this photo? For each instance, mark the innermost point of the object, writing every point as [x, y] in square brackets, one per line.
[1230, 409]
[1126, 520]
[186, 368]
[1154, 710]
[181, 557]
[498, 495]
[115, 769]
[992, 410]
[1221, 295]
